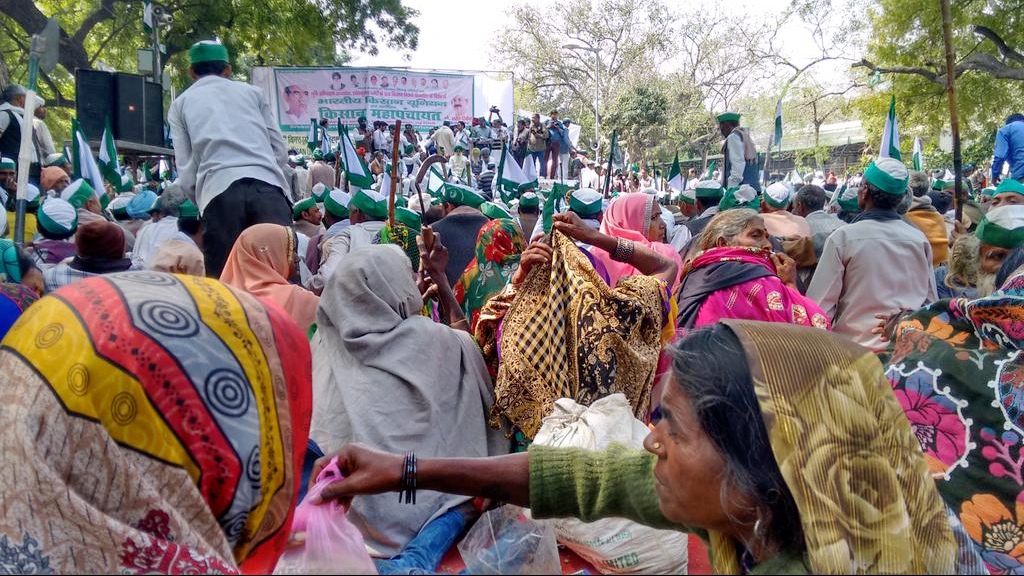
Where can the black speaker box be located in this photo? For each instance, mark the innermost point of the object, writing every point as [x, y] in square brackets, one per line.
[134, 105]
[94, 101]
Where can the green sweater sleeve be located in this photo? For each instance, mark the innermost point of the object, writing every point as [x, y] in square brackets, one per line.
[584, 484]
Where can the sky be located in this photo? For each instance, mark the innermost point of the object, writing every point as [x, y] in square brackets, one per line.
[457, 34]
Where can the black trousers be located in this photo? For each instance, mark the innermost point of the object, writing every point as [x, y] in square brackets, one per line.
[244, 203]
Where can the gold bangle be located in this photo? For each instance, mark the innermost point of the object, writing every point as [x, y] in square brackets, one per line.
[623, 250]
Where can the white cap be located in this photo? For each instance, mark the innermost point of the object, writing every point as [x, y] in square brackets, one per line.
[778, 194]
[745, 193]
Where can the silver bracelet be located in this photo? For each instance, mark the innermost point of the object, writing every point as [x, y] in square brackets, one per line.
[623, 250]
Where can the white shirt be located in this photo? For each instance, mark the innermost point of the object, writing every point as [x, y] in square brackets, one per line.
[43, 137]
[224, 131]
[382, 140]
[335, 248]
[737, 160]
[872, 267]
[151, 237]
[589, 178]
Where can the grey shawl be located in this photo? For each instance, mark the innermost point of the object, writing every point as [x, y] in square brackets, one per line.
[387, 377]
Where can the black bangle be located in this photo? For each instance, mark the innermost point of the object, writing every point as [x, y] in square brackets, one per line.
[408, 484]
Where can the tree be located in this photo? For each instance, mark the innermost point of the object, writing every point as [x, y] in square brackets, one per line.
[639, 116]
[907, 49]
[283, 32]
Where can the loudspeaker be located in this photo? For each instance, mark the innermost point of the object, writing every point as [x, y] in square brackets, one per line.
[130, 123]
[94, 101]
[153, 104]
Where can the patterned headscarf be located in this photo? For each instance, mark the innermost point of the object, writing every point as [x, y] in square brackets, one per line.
[14, 299]
[152, 423]
[499, 245]
[566, 334]
[629, 218]
[866, 499]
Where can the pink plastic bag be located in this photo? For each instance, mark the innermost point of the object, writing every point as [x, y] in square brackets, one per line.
[332, 545]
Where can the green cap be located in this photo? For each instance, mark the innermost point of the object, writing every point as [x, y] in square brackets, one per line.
[78, 193]
[11, 267]
[207, 51]
[708, 189]
[461, 195]
[1010, 185]
[371, 203]
[126, 184]
[7, 164]
[400, 201]
[320, 191]
[778, 194]
[188, 209]
[494, 212]
[318, 154]
[742, 196]
[408, 218]
[529, 200]
[336, 203]
[688, 196]
[888, 175]
[942, 185]
[32, 197]
[58, 217]
[301, 206]
[1003, 227]
[586, 202]
[728, 117]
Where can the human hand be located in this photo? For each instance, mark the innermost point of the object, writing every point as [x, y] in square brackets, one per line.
[570, 224]
[536, 253]
[785, 267]
[435, 259]
[886, 327]
[365, 471]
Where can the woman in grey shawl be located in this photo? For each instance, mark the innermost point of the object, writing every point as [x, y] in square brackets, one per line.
[388, 377]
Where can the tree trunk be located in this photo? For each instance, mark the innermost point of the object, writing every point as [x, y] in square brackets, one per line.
[72, 49]
[5, 74]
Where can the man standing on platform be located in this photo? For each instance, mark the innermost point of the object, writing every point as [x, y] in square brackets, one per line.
[740, 155]
[229, 153]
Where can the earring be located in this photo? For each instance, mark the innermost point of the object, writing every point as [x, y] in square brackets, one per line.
[757, 528]
[656, 445]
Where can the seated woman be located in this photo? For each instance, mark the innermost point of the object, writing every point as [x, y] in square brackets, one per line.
[178, 257]
[386, 376]
[100, 249]
[499, 245]
[58, 221]
[261, 262]
[560, 331]
[152, 424]
[635, 218]
[736, 275]
[18, 268]
[956, 368]
[824, 477]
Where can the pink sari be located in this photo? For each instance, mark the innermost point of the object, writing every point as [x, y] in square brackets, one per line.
[765, 298]
[628, 217]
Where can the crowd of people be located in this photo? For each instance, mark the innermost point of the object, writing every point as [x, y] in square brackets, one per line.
[829, 370]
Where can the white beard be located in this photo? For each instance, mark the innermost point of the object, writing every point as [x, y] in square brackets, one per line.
[986, 284]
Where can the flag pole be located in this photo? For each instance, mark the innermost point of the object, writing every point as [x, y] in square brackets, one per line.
[954, 116]
[394, 176]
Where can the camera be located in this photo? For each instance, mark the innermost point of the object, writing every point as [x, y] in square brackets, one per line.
[494, 109]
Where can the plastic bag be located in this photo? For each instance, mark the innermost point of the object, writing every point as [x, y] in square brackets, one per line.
[612, 545]
[332, 544]
[505, 541]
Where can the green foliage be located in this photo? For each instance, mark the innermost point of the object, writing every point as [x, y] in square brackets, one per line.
[256, 32]
[639, 116]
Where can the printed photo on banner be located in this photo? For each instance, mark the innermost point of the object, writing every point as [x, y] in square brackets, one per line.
[422, 100]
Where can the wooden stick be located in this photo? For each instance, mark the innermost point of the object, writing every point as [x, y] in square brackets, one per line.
[954, 116]
[394, 174]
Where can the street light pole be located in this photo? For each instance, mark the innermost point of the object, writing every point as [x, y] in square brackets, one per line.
[597, 90]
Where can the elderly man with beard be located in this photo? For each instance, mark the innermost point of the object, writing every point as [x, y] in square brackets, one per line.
[999, 232]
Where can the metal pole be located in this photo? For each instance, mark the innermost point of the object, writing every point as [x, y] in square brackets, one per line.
[157, 76]
[954, 117]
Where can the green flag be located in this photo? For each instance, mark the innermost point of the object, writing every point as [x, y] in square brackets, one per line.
[352, 163]
[108, 163]
[918, 155]
[147, 176]
[147, 15]
[313, 139]
[554, 202]
[675, 175]
[891, 134]
[83, 162]
[778, 124]
[614, 160]
[710, 172]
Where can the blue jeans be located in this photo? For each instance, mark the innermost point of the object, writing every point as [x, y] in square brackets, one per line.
[424, 552]
[313, 452]
[538, 157]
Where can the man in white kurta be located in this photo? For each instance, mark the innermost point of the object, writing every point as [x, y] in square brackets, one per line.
[367, 211]
[877, 265]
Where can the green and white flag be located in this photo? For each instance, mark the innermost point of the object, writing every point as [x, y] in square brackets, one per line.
[435, 181]
[147, 15]
[147, 176]
[778, 124]
[165, 169]
[709, 174]
[675, 176]
[325, 141]
[918, 155]
[529, 174]
[83, 164]
[108, 157]
[313, 139]
[357, 173]
[614, 161]
[891, 134]
[511, 179]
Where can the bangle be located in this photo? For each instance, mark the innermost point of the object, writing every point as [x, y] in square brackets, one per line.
[623, 250]
[407, 494]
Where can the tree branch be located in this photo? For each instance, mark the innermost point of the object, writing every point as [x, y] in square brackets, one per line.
[924, 72]
[1007, 52]
[104, 12]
